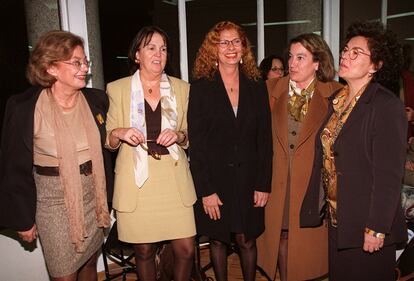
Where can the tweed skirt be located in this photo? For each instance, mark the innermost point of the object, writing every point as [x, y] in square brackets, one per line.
[53, 225]
[160, 214]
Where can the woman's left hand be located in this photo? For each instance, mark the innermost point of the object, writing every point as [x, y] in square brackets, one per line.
[371, 243]
[167, 137]
[260, 198]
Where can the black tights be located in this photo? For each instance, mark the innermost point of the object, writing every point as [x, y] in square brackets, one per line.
[183, 250]
[248, 257]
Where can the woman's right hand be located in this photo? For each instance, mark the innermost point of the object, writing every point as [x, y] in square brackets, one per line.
[211, 205]
[132, 136]
[28, 235]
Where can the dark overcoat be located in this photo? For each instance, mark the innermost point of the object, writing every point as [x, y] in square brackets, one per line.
[369, 157]
[229, 155]
[17, 186]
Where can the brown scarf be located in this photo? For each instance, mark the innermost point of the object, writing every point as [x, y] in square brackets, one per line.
[69, 172]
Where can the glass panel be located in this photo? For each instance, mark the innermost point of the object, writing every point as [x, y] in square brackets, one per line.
[204, 14]
[401, 20]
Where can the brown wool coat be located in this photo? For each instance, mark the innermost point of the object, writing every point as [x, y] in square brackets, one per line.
[307, 247]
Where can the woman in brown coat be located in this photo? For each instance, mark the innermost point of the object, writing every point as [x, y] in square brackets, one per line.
[299, 103]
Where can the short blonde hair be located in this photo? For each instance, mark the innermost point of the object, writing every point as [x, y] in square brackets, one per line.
[207, 56]
[52, 47]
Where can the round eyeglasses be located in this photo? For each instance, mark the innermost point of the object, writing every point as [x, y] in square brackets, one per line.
[353, 53]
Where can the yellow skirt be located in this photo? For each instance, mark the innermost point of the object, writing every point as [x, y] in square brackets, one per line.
[160, 214]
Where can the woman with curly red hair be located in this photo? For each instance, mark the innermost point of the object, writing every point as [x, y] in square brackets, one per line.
[231, 146]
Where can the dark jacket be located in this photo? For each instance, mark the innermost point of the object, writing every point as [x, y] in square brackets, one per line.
[17, 186]
[230, 156]
[369, 157]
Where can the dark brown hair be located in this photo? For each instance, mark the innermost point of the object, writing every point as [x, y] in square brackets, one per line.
[320, 52]
[143, 37]
[386, 53]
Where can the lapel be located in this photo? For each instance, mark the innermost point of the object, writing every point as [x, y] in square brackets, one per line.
[316, 113]
[360, 108]
[279, 92]
[27, 120]
[224, 99]
[245, 92]
[177, 91]
[125, 96]
[98, 113]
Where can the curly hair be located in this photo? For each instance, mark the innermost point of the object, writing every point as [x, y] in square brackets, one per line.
[320, 52]
[385, 51]
[266, 65]
[205, 65]
[52, 47]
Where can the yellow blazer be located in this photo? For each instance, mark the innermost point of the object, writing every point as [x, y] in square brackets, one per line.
[125, 189]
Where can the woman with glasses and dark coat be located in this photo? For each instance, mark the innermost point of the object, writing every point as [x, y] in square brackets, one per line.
[359, 160]
[230, 146]
[54, 170]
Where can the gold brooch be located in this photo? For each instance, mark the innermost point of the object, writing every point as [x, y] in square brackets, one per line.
[100, 119]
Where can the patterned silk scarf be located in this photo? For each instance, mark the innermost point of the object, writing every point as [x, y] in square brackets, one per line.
[137, 115]
[299, 102]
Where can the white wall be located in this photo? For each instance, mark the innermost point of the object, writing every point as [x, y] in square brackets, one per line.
[21, 261]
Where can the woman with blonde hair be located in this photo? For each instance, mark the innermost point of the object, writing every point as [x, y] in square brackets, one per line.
[231, 153]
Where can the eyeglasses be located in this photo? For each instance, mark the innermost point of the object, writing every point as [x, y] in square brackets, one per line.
[224, 44]
[154, 154]
[78, 64]
[353, 52]
[277, 69]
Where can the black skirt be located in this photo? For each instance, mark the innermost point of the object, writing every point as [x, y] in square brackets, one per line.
[355, 264]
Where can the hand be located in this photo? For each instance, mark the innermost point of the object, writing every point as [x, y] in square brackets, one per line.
[372, 244]
[132, 136]
[211, 205]
[410, 113]
[167, 137]
[28, 235]
[409, 165]
[260, 198]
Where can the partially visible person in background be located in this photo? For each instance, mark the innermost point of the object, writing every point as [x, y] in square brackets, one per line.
[272, 67]
[154, 191]
[299, 103]
[407, 87]
[359, 160]
[53, 165]
[231, 146]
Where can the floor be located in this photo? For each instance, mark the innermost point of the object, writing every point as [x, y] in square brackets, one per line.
[234, 269]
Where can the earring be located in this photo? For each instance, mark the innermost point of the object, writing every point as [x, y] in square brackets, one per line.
[241, 61]
[137, 61]
[370, 74]
[216, 64]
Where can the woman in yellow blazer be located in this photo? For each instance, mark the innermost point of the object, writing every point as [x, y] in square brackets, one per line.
[154, 192]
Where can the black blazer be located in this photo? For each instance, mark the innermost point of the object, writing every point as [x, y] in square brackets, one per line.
[369, 157]
[230, 154]
[17, 186]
